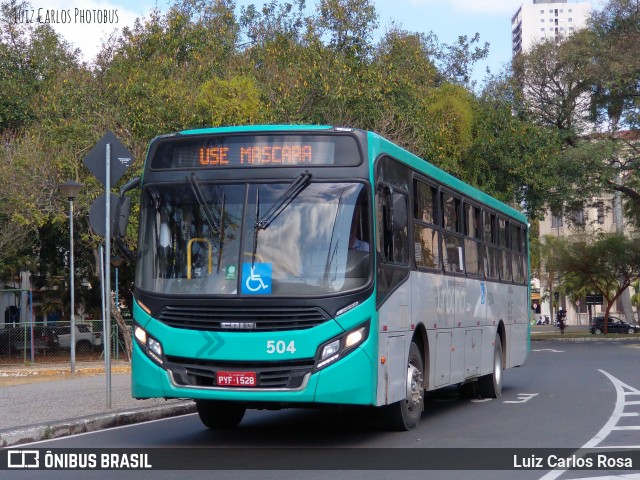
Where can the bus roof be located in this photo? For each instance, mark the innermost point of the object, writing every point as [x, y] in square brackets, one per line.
[399, 153]
[255, 129]
[381, 144]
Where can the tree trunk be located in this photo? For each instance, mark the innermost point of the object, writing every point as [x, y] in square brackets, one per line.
[123, 327]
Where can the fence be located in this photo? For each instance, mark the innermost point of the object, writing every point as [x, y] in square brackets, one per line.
[40, 342]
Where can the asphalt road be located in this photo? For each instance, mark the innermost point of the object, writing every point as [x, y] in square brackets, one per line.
[567, 395]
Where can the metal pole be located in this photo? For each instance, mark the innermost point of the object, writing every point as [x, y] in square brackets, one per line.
[107, 268]
[117, 304]
[31, 315]
[117, 309]
[72, 317]
[105, 346]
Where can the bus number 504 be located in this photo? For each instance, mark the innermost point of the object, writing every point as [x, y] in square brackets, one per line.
[280, 346]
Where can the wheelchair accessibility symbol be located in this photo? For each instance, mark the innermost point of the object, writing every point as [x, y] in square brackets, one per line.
[256, 279]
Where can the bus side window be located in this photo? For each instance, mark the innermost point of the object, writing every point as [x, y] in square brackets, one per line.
[392, 218]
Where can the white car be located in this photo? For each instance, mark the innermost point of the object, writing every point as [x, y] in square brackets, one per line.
[86, 340]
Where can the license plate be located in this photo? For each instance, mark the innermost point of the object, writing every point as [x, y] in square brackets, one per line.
[236, 379]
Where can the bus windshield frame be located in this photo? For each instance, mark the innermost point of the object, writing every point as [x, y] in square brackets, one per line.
[206, 241]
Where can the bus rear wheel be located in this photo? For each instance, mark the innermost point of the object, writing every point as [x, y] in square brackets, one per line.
[490, 385]
[220, 415]
[405, 414]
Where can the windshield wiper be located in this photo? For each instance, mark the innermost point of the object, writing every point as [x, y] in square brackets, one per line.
[208, 214]
[255, 228]
[262, 223]
[296, 187]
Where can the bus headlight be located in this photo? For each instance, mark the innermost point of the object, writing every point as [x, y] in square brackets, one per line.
[149, 345]
[336, 348]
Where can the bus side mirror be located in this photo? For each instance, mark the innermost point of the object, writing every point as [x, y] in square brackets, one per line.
[121, 220]
[123, 212]
[130, 185]
[123, 209]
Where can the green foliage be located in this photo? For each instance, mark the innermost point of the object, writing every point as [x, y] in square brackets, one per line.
[592, 76]
[200, 65]
[229, 102]
[450, 118]
[607, 264]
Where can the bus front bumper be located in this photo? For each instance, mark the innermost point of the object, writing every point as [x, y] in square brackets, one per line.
[350, 381]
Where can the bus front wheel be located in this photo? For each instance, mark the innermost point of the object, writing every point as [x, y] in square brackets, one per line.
[405, 414]
[220, 415]
[490, 385]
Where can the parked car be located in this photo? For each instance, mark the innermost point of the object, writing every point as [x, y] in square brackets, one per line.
[18, 338]
[86, 340]
[614, 325]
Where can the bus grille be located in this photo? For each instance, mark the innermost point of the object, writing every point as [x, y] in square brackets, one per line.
[239, 319]
[202, 373]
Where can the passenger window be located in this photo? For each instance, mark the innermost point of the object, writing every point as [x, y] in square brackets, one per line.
[503, 229]
[489, 224]
[392, 220]
[450, 213]
[471, 221]
[425, 208]
[427, 246]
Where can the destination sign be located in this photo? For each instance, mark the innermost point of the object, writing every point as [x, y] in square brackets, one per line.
[254, 151]
[260, 155]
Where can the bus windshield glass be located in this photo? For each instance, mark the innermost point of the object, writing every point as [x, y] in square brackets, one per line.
[203, 239]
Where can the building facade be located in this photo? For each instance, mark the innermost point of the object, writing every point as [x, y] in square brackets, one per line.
[601, 215]
[546, 20]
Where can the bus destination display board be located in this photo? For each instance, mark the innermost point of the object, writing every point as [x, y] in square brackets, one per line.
[254, 151]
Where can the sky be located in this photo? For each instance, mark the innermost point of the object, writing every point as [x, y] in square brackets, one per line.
[448, 19]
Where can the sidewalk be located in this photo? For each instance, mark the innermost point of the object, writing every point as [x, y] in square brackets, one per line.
[46, 401]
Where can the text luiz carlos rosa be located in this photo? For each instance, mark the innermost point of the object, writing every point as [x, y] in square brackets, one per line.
[555, 461]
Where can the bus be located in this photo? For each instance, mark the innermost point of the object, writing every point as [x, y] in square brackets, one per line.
[300, 266]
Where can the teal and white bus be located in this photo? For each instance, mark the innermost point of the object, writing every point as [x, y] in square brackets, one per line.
[283, 266]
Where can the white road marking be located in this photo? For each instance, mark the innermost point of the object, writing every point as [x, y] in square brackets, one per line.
[522, 398]
[622, 391]
[547, 350]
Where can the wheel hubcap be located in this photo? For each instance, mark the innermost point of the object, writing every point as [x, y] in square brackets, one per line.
[497, 367]
[414, 386]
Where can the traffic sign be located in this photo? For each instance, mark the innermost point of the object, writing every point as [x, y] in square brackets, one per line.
[121, 159]
[97, 217]
[594, 299]
[120, 208]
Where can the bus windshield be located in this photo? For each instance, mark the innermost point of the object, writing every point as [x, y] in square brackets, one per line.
[199, 238]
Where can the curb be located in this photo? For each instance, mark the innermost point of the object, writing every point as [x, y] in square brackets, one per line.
[595, 339]
[63, 428]
[30, 372]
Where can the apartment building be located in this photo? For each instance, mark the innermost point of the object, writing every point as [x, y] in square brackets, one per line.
[546, 20]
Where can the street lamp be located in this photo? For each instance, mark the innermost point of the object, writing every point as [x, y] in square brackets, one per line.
[70, 189]
[117, 263]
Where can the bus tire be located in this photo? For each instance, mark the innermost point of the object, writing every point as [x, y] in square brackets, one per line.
[468, 390]
[220, 415]
[405, 414]
[490, 385]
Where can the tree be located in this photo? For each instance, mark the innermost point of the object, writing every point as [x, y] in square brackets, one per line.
[590, 82]
[510, 157]
[556, 81]
[616, 57]
[549, 268]
[608, 264]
